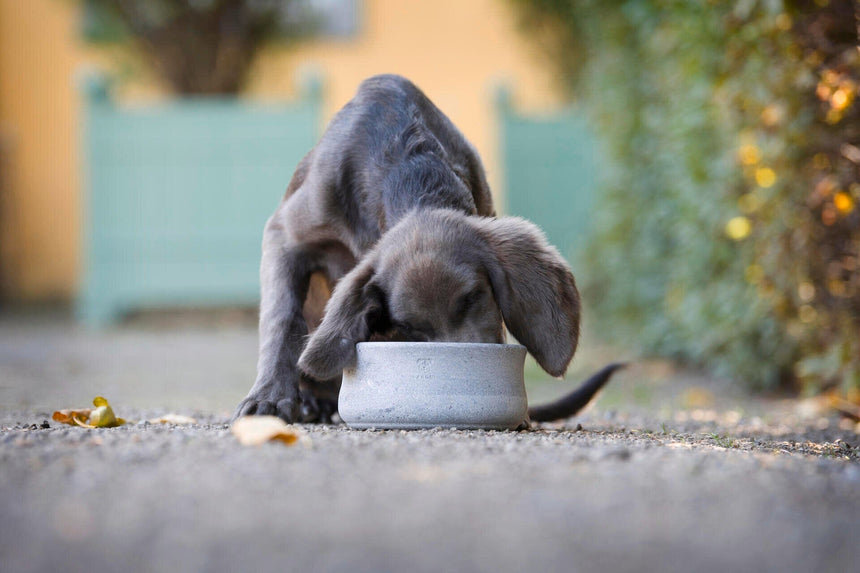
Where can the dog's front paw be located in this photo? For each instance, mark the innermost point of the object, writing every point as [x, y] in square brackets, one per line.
[317, 409]
[271, 399]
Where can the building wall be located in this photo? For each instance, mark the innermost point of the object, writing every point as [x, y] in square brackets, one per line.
[456, 51]
[39, 214]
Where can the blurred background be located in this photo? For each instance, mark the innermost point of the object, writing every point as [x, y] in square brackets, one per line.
[696, 161]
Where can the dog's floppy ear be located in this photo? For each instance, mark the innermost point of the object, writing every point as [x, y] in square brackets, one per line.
[354, 304]
[534, 289]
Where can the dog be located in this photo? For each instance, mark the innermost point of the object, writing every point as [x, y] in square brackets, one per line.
[387, 232]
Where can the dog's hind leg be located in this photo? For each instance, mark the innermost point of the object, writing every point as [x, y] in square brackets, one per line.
[319, 399]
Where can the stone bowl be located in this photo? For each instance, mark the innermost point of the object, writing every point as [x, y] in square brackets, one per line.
[411, 385]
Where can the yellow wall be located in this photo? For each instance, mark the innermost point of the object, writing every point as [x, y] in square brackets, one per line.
[455, 50]
[39, 214]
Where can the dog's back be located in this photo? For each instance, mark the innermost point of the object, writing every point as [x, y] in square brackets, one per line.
[388, 151]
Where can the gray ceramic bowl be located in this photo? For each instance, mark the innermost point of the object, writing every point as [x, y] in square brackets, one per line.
[431, 384]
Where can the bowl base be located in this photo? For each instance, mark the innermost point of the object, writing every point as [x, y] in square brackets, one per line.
[418, 426]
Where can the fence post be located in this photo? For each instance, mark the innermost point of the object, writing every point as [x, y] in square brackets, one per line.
[93, 308]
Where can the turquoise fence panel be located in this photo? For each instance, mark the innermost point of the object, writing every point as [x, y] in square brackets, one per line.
[177, 196]
[550, 170]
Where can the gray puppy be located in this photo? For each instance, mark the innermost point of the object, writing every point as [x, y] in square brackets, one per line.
[387, 232]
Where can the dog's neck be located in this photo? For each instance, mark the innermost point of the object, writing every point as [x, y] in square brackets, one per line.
[426, 181]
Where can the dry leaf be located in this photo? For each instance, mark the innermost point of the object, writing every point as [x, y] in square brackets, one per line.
[68, 416]
[697, 397]
[173, 419]
[101, 416]
[256, 430]
[846, 409]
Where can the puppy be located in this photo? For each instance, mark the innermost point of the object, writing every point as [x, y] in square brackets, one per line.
[387, 232]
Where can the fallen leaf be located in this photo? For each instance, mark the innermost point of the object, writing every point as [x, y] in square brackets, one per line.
[697, 397]
[256, 430]
[846, 409]
[101, 416]
[69, 416]
[173, 419]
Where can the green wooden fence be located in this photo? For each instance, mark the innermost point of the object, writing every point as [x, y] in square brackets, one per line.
[550, 171]
[177, 195]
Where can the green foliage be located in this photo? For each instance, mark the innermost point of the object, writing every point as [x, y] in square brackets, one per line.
[728, 220]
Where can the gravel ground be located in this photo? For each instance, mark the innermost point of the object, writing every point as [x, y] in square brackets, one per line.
[667, 472]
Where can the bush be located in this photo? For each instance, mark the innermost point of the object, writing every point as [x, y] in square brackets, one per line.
[729, 232]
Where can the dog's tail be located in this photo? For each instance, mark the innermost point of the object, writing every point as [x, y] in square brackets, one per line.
[569, 405]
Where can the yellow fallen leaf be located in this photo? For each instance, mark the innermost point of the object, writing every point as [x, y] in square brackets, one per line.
[697, 397]
[256, 430]
[101, 416]
[80, 423]
[173, 419]
[69, 416]
[844, 407]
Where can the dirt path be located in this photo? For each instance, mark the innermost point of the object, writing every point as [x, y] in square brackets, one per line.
[689, 475]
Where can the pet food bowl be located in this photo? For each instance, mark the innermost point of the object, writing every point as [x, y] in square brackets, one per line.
[411, 385]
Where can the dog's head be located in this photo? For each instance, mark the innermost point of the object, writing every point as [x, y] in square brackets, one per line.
[445, 277]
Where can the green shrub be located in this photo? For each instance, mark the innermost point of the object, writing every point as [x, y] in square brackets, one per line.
[729, 212]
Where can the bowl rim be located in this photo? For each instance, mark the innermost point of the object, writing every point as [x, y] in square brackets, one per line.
[462, 345]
